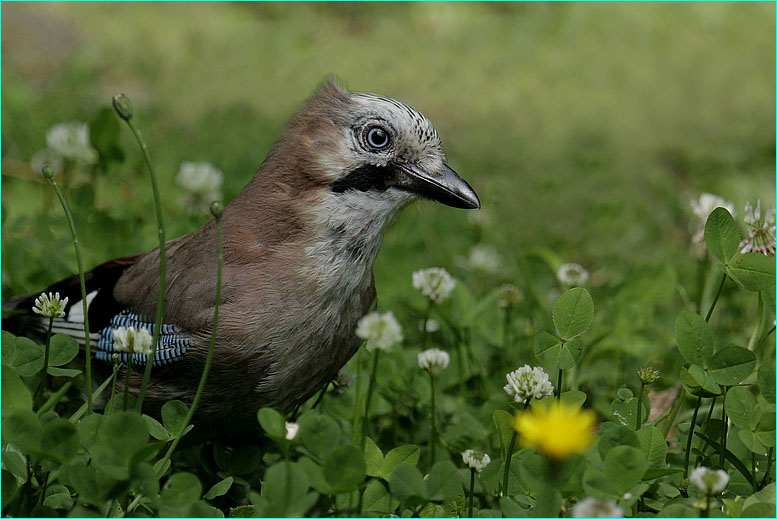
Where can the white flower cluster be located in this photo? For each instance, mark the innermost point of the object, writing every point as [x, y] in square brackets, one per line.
[381, 331]
[484, 258]
[71, 141]
[202, 181]
[761, 236]
[432, 325]
[526, 383]
[50, 305]
[292, 428]
[592, 507]
[433, 360]
[435, 283]
[572, 274]
[132, 340]
[709, 481]
[475, 459]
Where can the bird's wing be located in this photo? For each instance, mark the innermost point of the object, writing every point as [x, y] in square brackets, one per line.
[106, 314]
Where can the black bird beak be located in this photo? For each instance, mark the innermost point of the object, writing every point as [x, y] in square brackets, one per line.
[447, 187]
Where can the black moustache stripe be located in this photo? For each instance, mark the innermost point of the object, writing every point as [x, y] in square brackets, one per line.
[366, 178]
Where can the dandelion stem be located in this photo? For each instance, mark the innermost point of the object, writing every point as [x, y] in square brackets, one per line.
[356, 428]
[87, 345]
[162, 265]
[690, 436]
[211, 346]
[471, 490]
[560, 380]
[370, 387]
[508, 459]
[717, 295]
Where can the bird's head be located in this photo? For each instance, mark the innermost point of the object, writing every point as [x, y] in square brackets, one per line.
[367, 146]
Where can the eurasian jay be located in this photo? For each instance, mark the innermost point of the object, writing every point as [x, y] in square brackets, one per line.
[299, 244]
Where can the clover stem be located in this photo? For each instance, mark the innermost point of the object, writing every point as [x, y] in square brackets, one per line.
[45, 375]
[717, 295]
[690, 436]
[370, 388]
[434, 420]
[471, 490]
[508, 459]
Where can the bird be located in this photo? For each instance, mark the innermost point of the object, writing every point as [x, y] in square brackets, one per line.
[299, 243]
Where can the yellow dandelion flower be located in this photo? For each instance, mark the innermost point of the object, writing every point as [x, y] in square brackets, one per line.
[558, 430]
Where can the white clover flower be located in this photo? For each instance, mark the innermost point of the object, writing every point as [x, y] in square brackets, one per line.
[50, 157]
[203, 182]
[381, 331]
[647, 374]
[475, 459]
[484, 258]
[592, 507]
[50, 305]
[509, 296]
[707, 203]
[435, 283]
[709, 481]
[71, 141]
[572, 274]
[292, 429]
[132, 340]
[527, 382]
[433, 360]
[761, 236]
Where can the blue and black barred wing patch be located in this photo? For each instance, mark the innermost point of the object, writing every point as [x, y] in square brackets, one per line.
[171, 346]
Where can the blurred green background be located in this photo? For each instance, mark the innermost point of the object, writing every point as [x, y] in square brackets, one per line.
[585, 128]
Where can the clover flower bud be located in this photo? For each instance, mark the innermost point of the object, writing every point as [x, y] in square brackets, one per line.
[648, 375]
[592, 507]
[381, 331]
[475, 459]
[123, 106]
[50, 305]
[709, 481]
[132, 340]
[292, 429]
[433, 360]
[526, 383]
[509, 296]
[435, 283]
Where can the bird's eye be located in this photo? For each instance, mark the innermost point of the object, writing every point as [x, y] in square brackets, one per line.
[377, 138]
